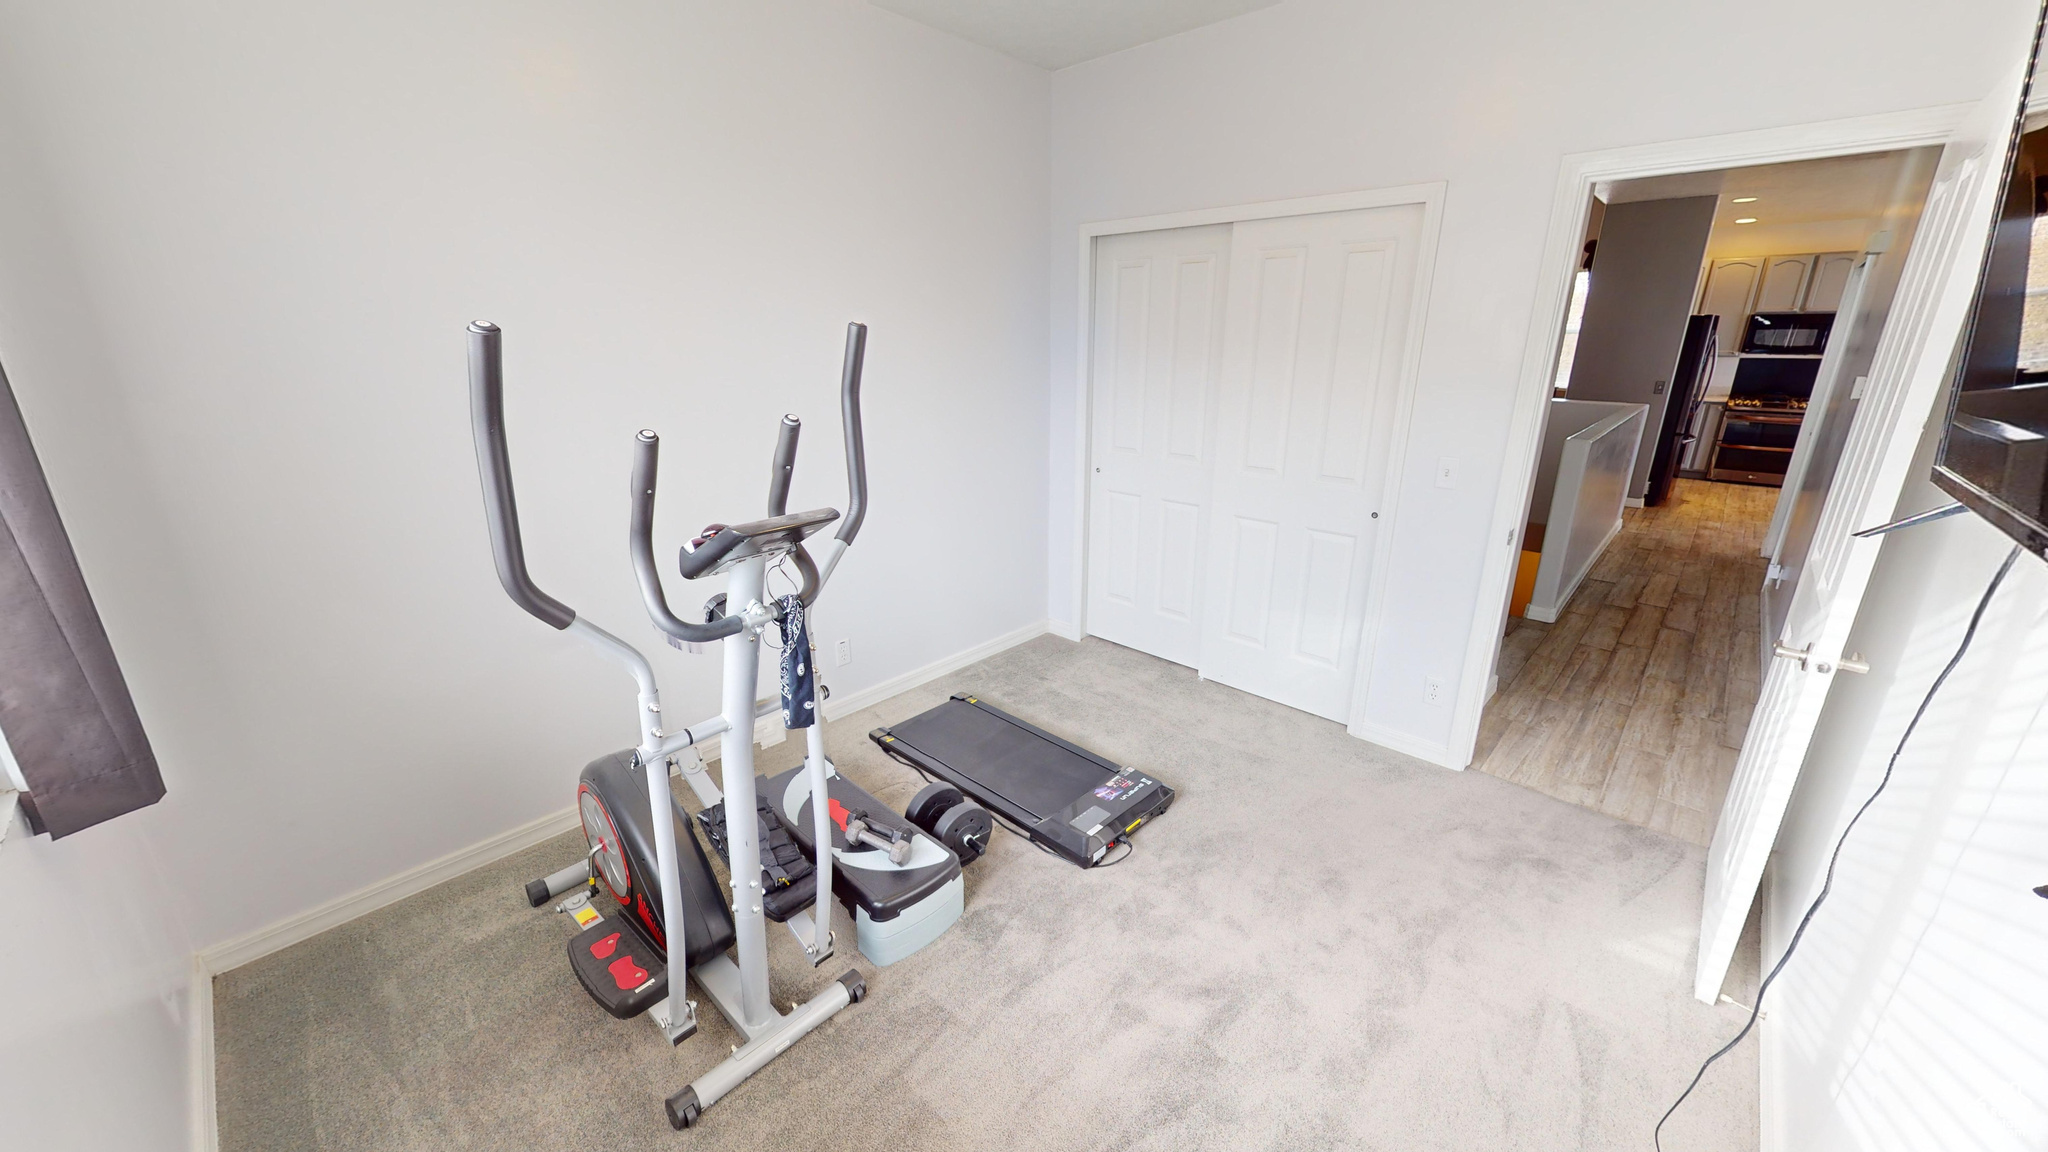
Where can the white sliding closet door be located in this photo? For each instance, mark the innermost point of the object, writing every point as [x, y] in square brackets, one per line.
[1313, 338]
[1158, 329]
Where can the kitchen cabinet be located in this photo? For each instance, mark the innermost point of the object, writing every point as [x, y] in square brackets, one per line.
[1796, 282]
[1784, 283]
[1829, 277]
[1731, 285]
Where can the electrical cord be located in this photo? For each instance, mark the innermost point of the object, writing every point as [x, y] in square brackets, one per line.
[1828, 884]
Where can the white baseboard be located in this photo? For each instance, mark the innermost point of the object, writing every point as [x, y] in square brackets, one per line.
[1633, 501]
[1430, 750]
[1549, 613]
[1063, 630]
[918, 677]
[231, 954]
[1770, 1122]
[205, 1114]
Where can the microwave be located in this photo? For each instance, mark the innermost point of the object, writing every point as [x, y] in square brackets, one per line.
[1787, 333]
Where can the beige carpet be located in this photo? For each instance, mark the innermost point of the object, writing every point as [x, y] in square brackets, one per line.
[1323, 945]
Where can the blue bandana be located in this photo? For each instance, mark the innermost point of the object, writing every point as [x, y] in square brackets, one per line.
[799, 678]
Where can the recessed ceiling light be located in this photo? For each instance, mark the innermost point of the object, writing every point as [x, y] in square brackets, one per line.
[1745, 220]
[1743, 200]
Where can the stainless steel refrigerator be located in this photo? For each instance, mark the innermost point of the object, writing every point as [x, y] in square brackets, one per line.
[1688, 384]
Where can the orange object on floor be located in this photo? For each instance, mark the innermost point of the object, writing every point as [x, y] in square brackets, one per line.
[1525, 582]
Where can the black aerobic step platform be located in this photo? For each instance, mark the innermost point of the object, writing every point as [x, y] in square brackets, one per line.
[1067, 799]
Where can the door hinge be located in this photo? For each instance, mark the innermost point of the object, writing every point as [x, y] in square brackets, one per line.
[1806, 659]
[1775, 575]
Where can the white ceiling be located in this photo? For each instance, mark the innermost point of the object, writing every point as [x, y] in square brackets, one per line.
[1807, 206]
[1839, 188]
[1057, 33]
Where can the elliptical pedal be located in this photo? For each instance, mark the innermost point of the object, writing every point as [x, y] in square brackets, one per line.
[619, 966]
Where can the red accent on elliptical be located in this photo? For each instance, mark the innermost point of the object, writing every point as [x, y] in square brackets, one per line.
[626, 973]
[603, 948]
[644, 912]
[839, 813]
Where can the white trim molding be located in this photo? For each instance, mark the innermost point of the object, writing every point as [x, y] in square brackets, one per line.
[231, 954]
[204, 1105]
[1770, 1119]
[1431, 198]
[1550, 614]
[1579, 176]
[874, 694]
[1406, 743]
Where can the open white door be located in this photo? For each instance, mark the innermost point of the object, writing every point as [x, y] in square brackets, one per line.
[1908, 373]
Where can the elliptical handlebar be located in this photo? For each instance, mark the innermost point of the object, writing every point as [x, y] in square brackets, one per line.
[784, 468]
[640, 539]
[494, 468]
[856, 447]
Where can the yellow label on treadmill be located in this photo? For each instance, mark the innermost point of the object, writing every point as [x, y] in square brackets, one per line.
[586, 916]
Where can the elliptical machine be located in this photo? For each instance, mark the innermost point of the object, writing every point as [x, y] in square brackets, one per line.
[904, 886]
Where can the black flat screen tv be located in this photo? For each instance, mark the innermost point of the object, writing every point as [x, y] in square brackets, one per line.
[1994, 452]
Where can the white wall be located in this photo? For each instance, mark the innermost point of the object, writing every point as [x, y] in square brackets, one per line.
[93, 1036]
[240, 246]
[1562, 420]
[1587, 491]
[1914, 1013]
[1321, 96]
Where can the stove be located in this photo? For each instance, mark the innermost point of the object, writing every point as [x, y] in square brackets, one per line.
[1768, 403]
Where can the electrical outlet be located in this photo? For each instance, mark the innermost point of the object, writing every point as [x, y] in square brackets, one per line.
[1432, 690]
[768, 729]
[1447, 472]
[842, 652]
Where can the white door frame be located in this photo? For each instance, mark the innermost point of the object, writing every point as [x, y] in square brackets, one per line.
[1579, 173]
[1431, 198]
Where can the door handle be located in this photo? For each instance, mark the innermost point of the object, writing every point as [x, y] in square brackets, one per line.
[1805, 657]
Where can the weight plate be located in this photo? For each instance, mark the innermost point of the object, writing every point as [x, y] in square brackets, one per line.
[931, 801]
[965, 828]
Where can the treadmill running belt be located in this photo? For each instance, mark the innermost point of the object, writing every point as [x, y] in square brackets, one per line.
[1039, 777]
[1068, 798]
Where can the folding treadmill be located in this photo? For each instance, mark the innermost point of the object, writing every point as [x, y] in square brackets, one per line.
[1067, 799]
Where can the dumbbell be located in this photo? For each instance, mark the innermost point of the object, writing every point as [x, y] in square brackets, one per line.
[930, 803]
[890, 840]
[952, 819]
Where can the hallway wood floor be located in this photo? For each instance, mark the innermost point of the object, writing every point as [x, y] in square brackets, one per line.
[1636, 701]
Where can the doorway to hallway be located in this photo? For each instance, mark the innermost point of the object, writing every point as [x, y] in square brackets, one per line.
[1636, 700]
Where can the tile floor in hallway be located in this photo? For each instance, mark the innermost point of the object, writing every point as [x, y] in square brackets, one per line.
[1635, 702]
